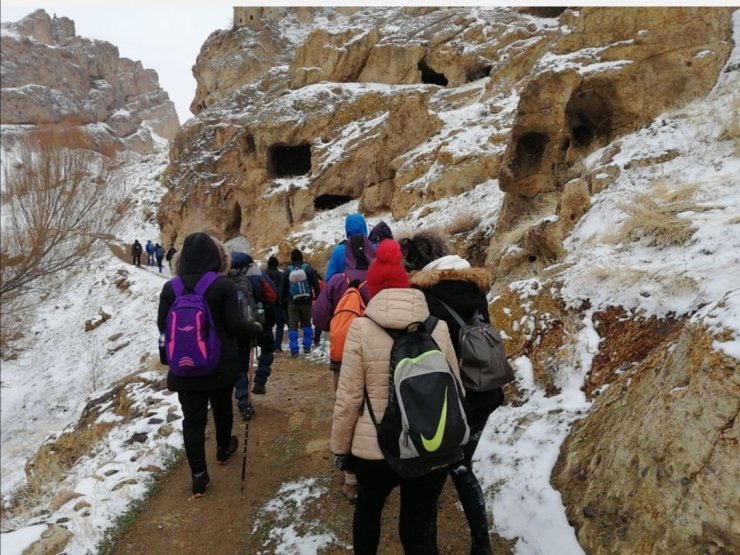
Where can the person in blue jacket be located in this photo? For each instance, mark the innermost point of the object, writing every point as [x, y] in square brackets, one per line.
[149, 248]
[354, 224]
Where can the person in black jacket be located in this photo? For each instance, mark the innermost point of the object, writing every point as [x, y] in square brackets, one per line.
[276, 275]
[136, 253]
[200, 254]
[449, 278]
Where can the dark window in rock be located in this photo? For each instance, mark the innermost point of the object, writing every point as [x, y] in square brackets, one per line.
[532, 258]
[233, 222]
[328, 202]
[544, 11]
[478, 73]
[287, 161]
[529, 150]
[247, 143]
[431, 77]
[589, 119]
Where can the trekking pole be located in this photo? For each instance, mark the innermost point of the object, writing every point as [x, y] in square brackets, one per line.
[246, 422]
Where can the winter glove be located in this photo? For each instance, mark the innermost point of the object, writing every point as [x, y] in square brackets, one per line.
[343, 462]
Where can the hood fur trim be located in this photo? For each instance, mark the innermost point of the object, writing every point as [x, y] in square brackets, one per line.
[425, 279]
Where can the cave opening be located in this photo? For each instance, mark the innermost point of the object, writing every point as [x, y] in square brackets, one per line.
[289, 161]
[544, 11]
[478, 73]
[233, 222]
[329, 202]
[431, 77]
[529, 150]
[589, 119]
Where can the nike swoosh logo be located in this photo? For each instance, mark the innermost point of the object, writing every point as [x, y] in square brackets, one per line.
[433, 444]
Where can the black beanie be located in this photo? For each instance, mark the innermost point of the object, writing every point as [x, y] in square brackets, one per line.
[296, 256]
[272, 262]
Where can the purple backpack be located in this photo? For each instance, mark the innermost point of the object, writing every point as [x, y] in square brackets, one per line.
[192, 343]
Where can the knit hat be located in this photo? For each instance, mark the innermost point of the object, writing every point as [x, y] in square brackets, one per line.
[296, 256]
[386, 271]
[272, 262]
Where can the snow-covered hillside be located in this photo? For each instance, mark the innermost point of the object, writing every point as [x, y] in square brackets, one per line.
[61, 367]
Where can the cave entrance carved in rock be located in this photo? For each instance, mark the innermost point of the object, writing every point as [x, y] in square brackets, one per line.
[529, 150]
[329, 202]
[233, 222]
[289, 161]
[429, 76]
[589, 119]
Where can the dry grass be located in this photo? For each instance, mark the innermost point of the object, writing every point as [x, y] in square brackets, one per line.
[655, 216]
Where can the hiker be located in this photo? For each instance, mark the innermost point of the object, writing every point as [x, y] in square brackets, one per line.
[317, 331]
[445, 278]
[265, 295]
[201, 254]
[354, 442]
[278, 311]
[149, 248]
[380, 231]
[159, 255]
[136, 253]
[354, 224]
[171, 252]
[299, 283]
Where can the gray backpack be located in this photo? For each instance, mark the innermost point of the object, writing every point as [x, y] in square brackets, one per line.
[483, 364]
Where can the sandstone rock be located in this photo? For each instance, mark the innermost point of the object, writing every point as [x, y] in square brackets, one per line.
[53, 540]
[655, 460]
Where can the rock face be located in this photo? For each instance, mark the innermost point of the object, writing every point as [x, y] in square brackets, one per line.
[654, 467]
[300, 109]
[53, 77]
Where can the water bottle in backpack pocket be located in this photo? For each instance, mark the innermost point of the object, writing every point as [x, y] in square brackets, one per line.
[192, 344]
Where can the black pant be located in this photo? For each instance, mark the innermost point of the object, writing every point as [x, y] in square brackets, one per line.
[195, 417]
[137, 259]
[419, 496]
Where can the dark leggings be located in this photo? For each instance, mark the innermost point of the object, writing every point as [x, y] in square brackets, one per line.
[195, 417]
[419, 496]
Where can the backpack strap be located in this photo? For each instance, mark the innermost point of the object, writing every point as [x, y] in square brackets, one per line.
[452, 312]
[205, 282]
[178, 286]
[370, 410]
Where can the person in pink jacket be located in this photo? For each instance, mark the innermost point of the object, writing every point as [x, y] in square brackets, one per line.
[365, 365]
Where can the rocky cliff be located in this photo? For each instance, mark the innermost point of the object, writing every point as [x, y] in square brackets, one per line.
[52, 77]
[403, 109]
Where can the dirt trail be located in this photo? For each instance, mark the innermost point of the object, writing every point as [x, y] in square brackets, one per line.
[288, 442]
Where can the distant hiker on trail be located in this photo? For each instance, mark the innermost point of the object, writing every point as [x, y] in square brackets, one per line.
[136, 253]
[449, 279]
[171, 252]
[279, 311]
[379, 232]
[159, 255]
[354, 225]
[149, 253]
[364, 379]
[298, 285]
[201, 257]
[264, 293]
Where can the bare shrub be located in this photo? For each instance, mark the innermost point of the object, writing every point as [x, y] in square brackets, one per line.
[59, 201]
[655, 216]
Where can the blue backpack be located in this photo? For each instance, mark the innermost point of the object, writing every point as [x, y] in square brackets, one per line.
[192, 345]
[298, 282]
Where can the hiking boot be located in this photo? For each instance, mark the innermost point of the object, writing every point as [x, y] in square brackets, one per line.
[201, 481]
[223, 453]
[294, 354]
[306, 351]
[259, 389]
[247, 413]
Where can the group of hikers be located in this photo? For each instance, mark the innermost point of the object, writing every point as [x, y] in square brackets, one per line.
[155, 254]
[393, 310]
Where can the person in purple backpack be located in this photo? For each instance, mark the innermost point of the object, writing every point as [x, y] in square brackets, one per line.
[200, 255]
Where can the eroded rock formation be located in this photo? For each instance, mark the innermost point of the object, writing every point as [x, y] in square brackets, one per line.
[51, 76]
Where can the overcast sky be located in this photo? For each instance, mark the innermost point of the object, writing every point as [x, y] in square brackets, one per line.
[166, 38]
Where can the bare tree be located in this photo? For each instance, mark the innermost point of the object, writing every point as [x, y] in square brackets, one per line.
[59, 200]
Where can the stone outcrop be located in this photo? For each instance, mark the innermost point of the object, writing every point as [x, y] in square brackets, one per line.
[654, 466]
[51, 76]
[299, 109]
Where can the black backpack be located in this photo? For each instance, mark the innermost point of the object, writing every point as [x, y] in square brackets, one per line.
[483, 363]
[245, 296]
[425, 425]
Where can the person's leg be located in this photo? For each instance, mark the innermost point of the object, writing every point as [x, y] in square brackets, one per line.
[279, 326]
[416, 525]
[264, 364]
[375, 481]
[294, 317]
[223, 420]
[195, 416]
[307, 328]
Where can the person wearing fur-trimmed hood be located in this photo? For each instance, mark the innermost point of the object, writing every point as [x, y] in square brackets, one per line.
[450, 279]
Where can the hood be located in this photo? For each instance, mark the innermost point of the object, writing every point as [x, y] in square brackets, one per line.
[429, 277]
[397, 308]
[240, 260]
[380, 231]
[355, 224]
[202, 253]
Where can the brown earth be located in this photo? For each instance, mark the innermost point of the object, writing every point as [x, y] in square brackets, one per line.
[288, 441]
